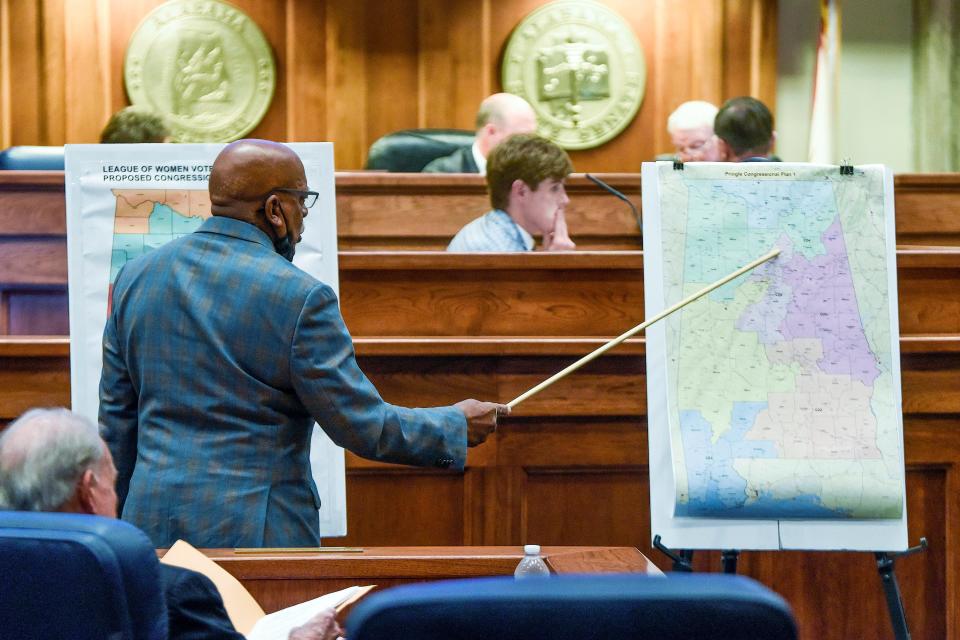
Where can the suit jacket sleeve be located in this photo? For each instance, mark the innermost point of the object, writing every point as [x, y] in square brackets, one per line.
[346, 404]
[460, 161]
[118, 409]
[195, 609]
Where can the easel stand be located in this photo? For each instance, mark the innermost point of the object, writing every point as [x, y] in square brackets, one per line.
[683, 558]
[728, 560]
[891, 589]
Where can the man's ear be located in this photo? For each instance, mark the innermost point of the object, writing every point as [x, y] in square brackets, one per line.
[274, 212]
[723, 149]
[85, 492]
[519, 188]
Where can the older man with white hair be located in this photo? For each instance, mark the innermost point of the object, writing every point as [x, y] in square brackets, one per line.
[55, 460]
[691, 131]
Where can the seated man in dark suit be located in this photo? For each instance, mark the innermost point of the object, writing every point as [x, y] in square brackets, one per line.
[527, 192]
[744, 128]
[500, 116]
[54, 460]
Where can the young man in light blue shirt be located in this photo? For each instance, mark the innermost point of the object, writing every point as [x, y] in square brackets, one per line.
[525, 178]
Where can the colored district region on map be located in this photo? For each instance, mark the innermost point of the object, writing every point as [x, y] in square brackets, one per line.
[145, 219]
[780, 398]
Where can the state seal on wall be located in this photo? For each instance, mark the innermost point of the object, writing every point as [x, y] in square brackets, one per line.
[578, 63]
[205, 66]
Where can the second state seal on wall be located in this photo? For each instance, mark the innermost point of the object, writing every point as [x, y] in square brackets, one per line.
[578, 63]
[203, 64]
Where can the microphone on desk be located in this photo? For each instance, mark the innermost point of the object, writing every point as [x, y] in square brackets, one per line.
[603, 185]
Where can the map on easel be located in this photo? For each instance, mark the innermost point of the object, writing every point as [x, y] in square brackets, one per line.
[774, 403]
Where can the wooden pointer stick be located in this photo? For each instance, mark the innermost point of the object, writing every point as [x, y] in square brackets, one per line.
[640, 327]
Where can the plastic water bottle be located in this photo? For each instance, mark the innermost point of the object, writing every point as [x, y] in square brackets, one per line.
[532, 565]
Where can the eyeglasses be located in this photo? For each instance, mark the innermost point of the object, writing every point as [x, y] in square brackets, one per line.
[307, 198]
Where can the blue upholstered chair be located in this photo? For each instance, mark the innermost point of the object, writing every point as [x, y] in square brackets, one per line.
[79, 577]
[27, 158]
[411, 150]
[619, 607]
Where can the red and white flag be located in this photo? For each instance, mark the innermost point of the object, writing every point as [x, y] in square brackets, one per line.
[823, 116]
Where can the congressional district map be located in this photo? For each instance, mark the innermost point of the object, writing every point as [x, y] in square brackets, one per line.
[781, 390]
[145, 219]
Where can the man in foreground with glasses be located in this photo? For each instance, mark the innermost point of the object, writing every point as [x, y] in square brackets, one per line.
[219, 355]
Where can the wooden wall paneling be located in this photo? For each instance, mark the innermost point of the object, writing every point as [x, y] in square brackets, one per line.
[688, 71]
[306, 73]
[927, 283]
[382, 66]
[88, 76]
[928, 209]
[935, 447]
[930, 378]
[587, 503]
[346, 87]
[34, 260]
[474, 503]
[32, 203]
[391, 72]
[704, 79]
[6, 118]
[271, 17]
[749, 50]
[36, 312]
[53, 99]
[33, 373]
[393, 506]
[4, 313]
[483, 301]
[439, 294]
[453, 67]
[125, 17]
[765, 52]
[21, 26]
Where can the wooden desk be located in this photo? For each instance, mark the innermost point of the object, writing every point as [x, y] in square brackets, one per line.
[423, 211]
[279, 580]
[437, 294]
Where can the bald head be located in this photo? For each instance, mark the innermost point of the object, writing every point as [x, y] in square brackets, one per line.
[500, 116]
[246, 171]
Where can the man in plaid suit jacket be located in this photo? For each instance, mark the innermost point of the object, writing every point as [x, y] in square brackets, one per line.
[218, 356]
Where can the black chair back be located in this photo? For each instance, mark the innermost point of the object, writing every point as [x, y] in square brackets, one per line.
[81, 577]
[624, 607]
[411, 150]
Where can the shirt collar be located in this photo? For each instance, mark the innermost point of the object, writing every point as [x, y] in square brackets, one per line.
[478, 158]
[222, 225]
[527, 239]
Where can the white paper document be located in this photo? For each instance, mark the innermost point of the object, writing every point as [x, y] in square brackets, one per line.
[277, 626]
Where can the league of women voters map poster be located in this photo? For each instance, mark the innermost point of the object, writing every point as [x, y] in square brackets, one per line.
[774, 402]
[126, 200]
